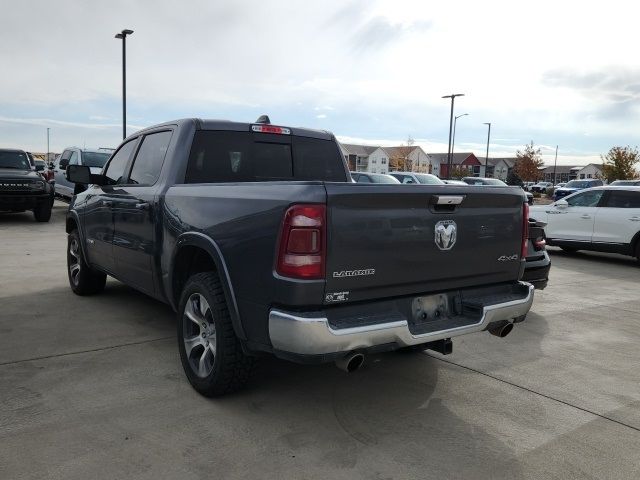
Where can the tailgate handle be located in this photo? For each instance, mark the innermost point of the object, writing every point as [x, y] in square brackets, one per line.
[448, 199]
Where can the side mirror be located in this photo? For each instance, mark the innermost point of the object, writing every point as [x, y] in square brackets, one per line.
[39, 167]
[50, 164]
[562, 204]
[82, 174]
[62, 166]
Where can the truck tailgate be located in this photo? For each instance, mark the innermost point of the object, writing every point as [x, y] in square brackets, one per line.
[393, 240]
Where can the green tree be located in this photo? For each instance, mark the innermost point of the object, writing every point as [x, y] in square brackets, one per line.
[459, 171]
[528, 163]
[619, 163]
[514, 179]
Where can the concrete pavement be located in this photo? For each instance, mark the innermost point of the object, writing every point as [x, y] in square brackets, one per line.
[93, 388]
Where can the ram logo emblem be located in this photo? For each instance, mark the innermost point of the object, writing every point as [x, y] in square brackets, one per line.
[446, 234]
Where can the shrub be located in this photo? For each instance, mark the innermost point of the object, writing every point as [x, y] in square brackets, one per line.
[550, 191]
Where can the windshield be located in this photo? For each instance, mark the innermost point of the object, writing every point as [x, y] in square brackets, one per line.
[17, 160]
[626, 182]
[95, 159]
[381, 178]
[428, 179]
[578, 184]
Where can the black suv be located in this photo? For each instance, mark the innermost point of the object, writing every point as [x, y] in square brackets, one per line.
[23, 188]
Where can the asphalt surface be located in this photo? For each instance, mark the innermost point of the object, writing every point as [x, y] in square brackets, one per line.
[93, 388]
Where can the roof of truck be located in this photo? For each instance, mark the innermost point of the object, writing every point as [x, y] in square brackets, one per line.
[216, 124]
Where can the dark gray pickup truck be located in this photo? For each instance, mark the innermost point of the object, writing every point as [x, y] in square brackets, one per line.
[259, 240]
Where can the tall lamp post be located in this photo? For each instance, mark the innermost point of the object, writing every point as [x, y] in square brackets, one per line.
[452, 97]
[123, 36]
[48, 160]
[486, 160]
[453, 141]
[555, 163]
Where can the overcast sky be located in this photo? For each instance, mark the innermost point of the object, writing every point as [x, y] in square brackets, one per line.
[554, 72]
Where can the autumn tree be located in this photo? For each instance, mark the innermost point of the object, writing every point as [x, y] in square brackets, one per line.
[619, 163]
[528, 163]
[402, 158]
[458, 171]
[514, 179]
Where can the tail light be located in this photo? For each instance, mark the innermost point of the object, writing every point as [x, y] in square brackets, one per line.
[301, 253]
[525, 230]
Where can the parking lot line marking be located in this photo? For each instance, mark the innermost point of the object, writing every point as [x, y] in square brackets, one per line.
[536, 393]
[98, 349]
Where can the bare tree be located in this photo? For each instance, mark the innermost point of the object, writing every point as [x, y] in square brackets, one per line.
[402, 158]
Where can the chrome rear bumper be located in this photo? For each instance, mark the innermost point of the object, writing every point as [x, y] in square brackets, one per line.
[311, 334]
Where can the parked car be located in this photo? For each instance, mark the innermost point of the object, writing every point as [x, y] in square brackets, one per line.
[625, 183]
[603, 219]
[541, 187]
[560, 185]
[362, 177]
[574, 186]
[45, 171]
[455, 182]
[23, 188]
[538, 263]
[494, 182]
[254, 234]
[412, 177]
[94, 159]
[526, 186]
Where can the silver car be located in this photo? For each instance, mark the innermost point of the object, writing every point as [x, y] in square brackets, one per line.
[92, 158]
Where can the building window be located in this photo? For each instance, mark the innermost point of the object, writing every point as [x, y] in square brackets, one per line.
[383, 161]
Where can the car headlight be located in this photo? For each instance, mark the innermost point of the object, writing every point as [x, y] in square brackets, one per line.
[38, 185]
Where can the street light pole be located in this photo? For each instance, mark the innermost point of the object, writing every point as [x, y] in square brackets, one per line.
[555, 163]
[48, 145]
[486, 160]
[452, 97]
[453, 141]
[123, 36]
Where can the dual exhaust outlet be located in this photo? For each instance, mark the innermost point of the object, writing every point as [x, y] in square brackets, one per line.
[353, 361]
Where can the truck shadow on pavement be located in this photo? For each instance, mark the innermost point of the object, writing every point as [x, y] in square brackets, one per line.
[394, 403]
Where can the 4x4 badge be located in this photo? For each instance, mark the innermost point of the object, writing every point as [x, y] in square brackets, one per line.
[446, 233]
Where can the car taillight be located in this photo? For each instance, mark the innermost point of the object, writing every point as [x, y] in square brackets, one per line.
[525, 230]
[301, 253]
[270, 129]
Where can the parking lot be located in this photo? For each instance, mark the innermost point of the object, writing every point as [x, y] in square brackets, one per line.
[92, 387]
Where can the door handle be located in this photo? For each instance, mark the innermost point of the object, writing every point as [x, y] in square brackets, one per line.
[107, 203]
[586, 217]
[142, 206]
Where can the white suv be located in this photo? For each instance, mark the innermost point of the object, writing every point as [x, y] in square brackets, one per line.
[603, 219]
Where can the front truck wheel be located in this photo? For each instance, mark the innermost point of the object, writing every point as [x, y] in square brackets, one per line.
[42, 212]
[83, 279]
[211, 354]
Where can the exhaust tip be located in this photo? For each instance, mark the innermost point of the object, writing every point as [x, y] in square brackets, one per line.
[502, 331]
[350, 363]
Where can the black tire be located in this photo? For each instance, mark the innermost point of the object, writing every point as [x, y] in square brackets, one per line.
[42, 212]
[215, 363]
[569, 249]
[83, 279]
[638, 252]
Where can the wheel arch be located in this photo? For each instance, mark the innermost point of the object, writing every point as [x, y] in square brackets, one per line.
[195, 253]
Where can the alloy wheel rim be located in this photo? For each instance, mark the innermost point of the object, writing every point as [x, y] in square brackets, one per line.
[199, 335]
[74, 261]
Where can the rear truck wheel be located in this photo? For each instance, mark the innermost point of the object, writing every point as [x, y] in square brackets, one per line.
[210, 352]
[42, 212]
[83, 279]
[638, 252]
[569, 249]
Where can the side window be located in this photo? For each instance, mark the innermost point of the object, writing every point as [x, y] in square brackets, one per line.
[407, 179]
[74, 159]
[117, 164]
[364, 179]
[623, 199]
[586, 199]
[148, 162]
[64, 158]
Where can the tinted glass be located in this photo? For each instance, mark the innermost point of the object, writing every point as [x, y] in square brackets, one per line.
[74, 160]
[246, 157]
[15, 160]
[380, 178]
[585, 199]
[148, 163]
[579, 184]
[364, 179]
[429, 179]
[118, 163]
[626, 182]
[95, 159]
[623, 199]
